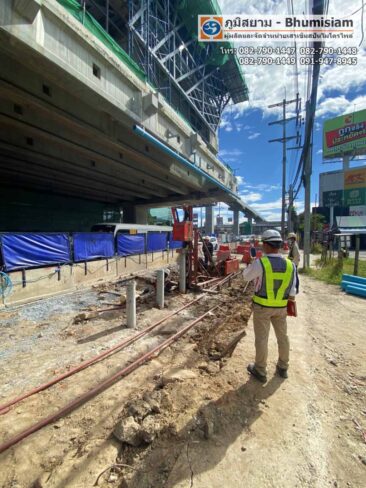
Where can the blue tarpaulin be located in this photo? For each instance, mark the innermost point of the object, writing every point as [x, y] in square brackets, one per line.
[31, 250]
[175, 244]
[127, 244]
[157, 241]
[93, 245]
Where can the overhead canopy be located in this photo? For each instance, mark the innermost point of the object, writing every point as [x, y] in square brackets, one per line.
[351, 225]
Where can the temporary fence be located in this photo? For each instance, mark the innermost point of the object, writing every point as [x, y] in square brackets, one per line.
[92, 245]
[21, 251]
[29, 250]
[129, 245]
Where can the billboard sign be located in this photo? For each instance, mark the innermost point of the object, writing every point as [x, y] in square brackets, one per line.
[355, 178]
[357, 211]
[333, 198]
[355, 197]
[345, 135]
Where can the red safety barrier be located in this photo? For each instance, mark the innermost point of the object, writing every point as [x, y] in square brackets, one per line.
[246, 256]
[224, 247]
[231, 265]
[222, 255]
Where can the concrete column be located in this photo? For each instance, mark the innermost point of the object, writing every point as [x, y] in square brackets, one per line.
[135, 215]
[131, 304]
[160, 288]
[209, 221]
[182, 272]
[236, 222]
[141, 215]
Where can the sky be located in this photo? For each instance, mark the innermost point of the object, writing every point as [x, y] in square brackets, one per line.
[244, 130]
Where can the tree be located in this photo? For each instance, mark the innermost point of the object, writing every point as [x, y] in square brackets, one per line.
[317, 222]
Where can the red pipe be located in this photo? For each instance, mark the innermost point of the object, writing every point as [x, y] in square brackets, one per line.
[6, 406]
[130, 340]
[100, 387]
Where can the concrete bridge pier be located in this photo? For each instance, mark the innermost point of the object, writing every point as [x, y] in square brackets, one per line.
[209, 221]
[236, 222]
[133, 214]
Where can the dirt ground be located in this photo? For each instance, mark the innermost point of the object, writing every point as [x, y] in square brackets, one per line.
[195, 417]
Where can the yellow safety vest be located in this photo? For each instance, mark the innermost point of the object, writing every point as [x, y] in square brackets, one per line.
[269, 276]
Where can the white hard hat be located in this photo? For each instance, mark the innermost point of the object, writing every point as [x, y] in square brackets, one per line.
[291, 235]
[271, 235]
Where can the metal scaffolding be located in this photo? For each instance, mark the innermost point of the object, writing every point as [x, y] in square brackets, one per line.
[195, 79]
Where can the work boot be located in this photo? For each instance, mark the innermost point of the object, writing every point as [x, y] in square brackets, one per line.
[253, 371]
[281, 372]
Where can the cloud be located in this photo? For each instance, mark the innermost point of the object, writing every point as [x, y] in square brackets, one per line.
[340, 105]
[254, 135]
[240, 180]
[230, 152]
[270, 84]
[320, 151]
[271, 216]
[262, 187]
[252, 197]
[260, 207]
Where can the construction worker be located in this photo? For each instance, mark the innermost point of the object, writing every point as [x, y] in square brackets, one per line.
[207, 250]
[274, 285]
[294, 255]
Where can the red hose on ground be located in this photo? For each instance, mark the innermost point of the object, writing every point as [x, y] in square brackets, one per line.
[130, 340]
[101, 386]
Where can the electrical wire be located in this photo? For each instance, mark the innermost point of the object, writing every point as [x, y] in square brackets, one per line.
[362, 29]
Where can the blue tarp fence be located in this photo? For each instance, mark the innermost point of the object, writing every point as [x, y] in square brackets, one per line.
[156, 241]
[92, 245]
[128, 245]
[31, 250]
[175, 244]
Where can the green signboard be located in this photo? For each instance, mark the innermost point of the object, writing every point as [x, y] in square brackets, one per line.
[333, 198]
[345, 135]
[355, 196]
[245, 228]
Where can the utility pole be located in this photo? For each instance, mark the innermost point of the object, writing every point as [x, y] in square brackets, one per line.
[290, 208]
[284, 140]
[307, 197]
[318, 9]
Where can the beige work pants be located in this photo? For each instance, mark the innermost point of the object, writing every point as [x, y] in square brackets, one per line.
[262, 318]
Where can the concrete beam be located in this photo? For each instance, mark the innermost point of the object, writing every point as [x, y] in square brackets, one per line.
[28, 8]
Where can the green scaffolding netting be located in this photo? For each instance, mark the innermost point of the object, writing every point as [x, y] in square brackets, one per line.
[75, 9]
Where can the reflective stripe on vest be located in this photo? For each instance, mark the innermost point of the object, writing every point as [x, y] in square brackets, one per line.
[269, 276]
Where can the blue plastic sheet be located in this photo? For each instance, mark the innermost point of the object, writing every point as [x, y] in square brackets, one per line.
[157, 241]
[30, 250]
[93, 245]
[127, 244]
[175, 244]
